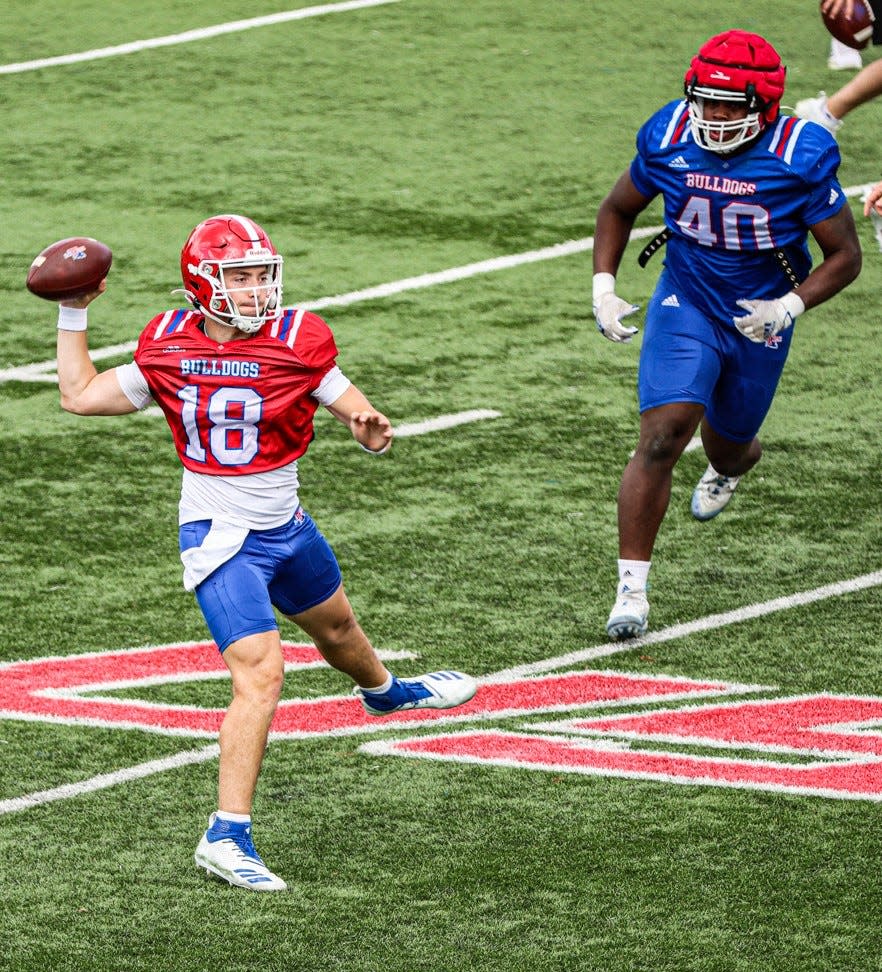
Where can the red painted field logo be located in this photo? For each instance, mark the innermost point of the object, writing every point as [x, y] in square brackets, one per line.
[821, 745]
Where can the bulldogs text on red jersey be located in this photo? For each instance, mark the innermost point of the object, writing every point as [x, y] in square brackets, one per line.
[244, 406]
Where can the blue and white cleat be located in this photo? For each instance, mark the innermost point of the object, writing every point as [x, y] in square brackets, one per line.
[629, 617]
[226, 849]
[438, 690]
[713, 492]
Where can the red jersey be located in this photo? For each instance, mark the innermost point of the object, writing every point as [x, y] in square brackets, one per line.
[245, 406]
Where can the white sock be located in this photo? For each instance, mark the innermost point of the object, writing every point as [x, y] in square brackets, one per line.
[635, 572]
[719, 475]
[233, 817]
[380, 688]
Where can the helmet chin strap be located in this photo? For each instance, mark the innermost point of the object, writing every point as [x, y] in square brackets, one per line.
[247, 324]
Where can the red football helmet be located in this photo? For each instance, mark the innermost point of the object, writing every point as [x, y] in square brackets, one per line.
[217, 245]
[740, 67]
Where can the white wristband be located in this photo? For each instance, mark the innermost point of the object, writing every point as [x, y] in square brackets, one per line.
[71, 318]
[793, 304]
[604, 283]
[378, 452]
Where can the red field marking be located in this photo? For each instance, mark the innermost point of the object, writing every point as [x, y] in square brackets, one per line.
[51, 690]
[814, 725]
[46, 689]
[846, 756]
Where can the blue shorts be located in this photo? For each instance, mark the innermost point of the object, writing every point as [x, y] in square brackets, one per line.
[291, 567]
[688, 357]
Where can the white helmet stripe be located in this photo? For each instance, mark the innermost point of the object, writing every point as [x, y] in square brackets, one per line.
[245, 225]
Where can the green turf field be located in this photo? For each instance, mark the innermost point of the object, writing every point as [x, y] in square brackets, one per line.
[377, 145]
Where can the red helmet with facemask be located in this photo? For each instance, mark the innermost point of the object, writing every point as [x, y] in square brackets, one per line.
[737, 67]
[221, 244]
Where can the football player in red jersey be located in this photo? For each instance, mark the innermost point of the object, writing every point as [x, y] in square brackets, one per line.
[239, 378]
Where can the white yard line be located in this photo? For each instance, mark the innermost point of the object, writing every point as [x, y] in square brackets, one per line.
[105, 780]
[407, 429]
[712, 622]
[444, 422]
[44, 371]
[202, 33]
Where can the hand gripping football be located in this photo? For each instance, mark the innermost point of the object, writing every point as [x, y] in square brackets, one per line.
[855, 31]
[69, 268]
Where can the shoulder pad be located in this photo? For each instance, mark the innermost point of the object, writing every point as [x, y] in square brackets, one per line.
[806, 148]
[170, 322]
[308, 336]
[668, 127]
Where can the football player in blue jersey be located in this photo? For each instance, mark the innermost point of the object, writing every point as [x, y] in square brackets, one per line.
[742, 186]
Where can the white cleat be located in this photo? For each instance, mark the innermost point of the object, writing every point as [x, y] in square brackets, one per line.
[438, 690]
[712, 494]
[815, 110]
[629, 617]
[234, 859]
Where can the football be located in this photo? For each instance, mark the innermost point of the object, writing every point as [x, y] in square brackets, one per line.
[855, 31]
[69, 268]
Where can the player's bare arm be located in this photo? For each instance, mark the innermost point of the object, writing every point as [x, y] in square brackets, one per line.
[837, 237]
[615, 219]
[370, 428]
[83, 389]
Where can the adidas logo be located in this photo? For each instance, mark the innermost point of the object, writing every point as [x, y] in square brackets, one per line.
[678, 163]
[834, 195]
[671, 301]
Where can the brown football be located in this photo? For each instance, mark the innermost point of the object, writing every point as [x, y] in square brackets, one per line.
[855, 31]
[69, 268]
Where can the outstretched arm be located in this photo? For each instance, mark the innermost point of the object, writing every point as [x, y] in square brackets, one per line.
[84, 390]
[863, 87]
[370, 428]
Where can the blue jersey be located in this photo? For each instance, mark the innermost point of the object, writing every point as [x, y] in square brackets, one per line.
[727, 215]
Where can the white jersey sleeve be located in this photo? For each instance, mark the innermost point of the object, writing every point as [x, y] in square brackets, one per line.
[134, 385]
[332, 386]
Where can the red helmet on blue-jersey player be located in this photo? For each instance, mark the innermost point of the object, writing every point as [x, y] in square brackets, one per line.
[740, 67]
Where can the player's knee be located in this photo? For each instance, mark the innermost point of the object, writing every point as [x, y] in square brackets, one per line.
[266, 691]
[662, 448]
[340, 631]
[261, 683]
[345, 629]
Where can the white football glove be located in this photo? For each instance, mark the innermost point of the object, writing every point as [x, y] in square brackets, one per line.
[609, 310]
[766, 318]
